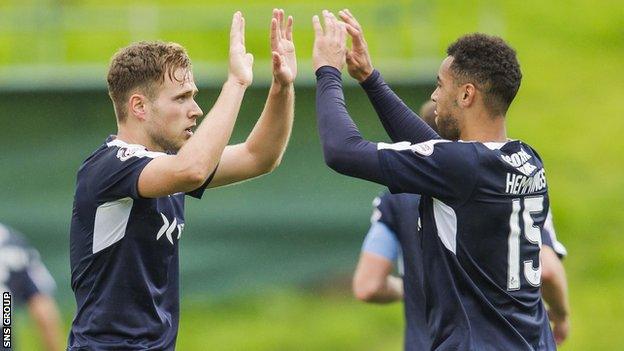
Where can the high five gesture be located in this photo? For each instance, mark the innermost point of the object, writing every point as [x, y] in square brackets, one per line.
[241, 62]
[283, 48]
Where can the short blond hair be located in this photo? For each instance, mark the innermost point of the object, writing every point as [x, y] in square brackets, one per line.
[143, 65]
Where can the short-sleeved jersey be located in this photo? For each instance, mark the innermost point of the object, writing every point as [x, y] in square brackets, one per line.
[124, 254]
[400, 214]
[22, 273]
[549, 237]
[483, 209]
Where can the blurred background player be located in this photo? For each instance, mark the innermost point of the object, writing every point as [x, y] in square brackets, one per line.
[394, 228]
[24, 276]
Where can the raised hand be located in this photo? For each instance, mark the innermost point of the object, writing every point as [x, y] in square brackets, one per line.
[283, 48]
[330, 45]
[241, 62]
[358, 60]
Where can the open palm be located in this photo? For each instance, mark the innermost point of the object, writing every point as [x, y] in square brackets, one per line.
[283, 48]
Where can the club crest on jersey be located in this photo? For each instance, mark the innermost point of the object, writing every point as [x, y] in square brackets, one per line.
[125, 153]
[425, 148]
[168, 229]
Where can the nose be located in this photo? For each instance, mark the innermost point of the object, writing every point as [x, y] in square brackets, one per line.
[196, 111]
[434, 95]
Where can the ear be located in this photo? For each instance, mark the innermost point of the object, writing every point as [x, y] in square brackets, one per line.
[137, 106]
[468, 95]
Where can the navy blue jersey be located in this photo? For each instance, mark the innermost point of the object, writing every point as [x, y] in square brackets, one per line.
[124, 255]
[400, 213]
[483, 210]
[22, 273]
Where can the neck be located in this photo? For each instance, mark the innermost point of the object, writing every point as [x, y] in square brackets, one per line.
[136, 136]
[484, 128]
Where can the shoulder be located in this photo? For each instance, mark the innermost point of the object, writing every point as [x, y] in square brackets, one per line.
[444, 152]
[115, 154]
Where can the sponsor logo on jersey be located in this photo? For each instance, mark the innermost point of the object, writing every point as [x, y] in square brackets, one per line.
[168, 229]
[519, 161]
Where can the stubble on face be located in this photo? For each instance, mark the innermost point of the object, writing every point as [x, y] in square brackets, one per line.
[161, 134]
[446, 103]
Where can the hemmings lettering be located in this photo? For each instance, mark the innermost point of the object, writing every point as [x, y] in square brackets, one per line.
[518, 184]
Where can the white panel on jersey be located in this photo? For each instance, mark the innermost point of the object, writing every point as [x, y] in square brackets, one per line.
[403, 145]
[111, 219]
[492, 145]
[446, 222]
[550, 228]
[424, 148]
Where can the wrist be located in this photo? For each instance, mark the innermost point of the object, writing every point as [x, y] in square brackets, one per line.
[236, 83]
[366, 73]
[279, 86]
[558, 315]
[324, 70]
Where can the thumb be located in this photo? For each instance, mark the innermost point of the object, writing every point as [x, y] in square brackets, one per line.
[277, 61]
[349, 56]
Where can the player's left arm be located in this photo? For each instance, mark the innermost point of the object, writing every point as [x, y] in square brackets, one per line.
[262, 152]
[555, 293]
[373, 280]
[554, 282]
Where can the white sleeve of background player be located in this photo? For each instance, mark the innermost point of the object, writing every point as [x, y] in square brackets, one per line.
[550, 230]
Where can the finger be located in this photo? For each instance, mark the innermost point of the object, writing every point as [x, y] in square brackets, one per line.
[274, 33]
[329, 24]
[338, 26]
[342, 33]
[279, 16]
[349, 56]
[277, 61]
[282, 24]
[355, 34]
[316, 24]
[235, 29]
[289, 28]
[242, 29]
[345, 17]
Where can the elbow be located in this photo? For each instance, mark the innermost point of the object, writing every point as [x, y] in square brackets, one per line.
[331, 155]
[366, 289]
[193, 177]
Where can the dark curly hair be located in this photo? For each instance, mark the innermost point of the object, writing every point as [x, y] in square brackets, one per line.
[490, 64]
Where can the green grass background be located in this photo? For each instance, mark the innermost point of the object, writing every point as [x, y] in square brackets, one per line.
[265, 264]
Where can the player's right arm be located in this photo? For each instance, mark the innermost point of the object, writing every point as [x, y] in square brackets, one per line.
[438, 168]
[198, 158]
[399, 121]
